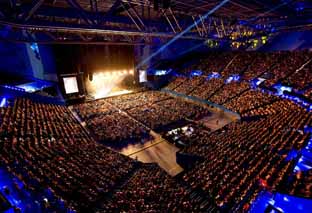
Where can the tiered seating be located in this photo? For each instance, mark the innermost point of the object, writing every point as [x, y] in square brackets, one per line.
[239, 64]
[308, 93]
[176, 82]
[249, 100]
[187, 86]
[137, 99]
[109, 125]
[243, 158]
[167, 112]
[229, 91]
[301, 78]
[214, 62]
[290, 62]
[300, 184]
[208, 88]
[261, 64]
[48, 149]
[150, 190]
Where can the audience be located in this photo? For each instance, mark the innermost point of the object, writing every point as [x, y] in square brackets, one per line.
[151, 190]
[246, 156]
[229, 91]
[239, 64]
[110, 126]
[45, 146]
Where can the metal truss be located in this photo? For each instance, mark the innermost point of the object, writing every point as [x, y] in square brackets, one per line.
[113, 22]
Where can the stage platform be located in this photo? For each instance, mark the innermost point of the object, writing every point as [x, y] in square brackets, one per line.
[157, 151]
[163, 153]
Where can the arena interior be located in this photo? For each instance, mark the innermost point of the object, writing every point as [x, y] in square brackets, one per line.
[155, 106]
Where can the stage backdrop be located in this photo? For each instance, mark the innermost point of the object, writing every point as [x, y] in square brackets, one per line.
[93, 64]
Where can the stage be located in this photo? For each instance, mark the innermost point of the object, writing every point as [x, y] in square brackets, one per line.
[163, 153]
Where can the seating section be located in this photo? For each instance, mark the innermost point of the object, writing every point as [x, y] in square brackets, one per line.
[299, 184]
[176, 82]
[150, 189]
[110, 126]
[161, 114]
[289, 63]
[301, 78]
[239, 64]
[214, 62]
[249, 100]
[262, 63]
[46, 147]
[134, 100]
[187, 86]
[277, 67]
[208, 88]
[245, 157]
[308, 93]
[229, 91]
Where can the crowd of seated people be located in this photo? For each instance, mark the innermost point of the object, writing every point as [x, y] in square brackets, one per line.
[134, 100]
[263, 62]
[95, 108]
[299, 184]
[289, 63]
[110, 126]
[167, 112]
[229, 91]
[177, 81]
[214, 62]
[308, 93]
[249, 100]
[301, 78]
[188, 86]
[245, 157]
[239, 64]
[208, 88]
[47, 149]
[151, 190]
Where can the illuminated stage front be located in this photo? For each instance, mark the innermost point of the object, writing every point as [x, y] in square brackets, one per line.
[107, 84]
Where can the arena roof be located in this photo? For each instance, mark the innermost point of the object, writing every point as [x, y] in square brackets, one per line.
[139, 21]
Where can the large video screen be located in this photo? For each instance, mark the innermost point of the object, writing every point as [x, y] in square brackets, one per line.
[71, 85]
[142, 76]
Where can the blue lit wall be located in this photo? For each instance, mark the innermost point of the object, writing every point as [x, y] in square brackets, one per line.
[28, 60]
[14, 59]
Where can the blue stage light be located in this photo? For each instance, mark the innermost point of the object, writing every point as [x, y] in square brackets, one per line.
[181, 34]
[3, 102]
[196, 73]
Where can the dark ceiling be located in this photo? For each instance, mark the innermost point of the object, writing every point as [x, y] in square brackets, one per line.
[154, 18]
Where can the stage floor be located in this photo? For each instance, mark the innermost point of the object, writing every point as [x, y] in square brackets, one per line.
[217, 120]
[163, 153]
[157, 151]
